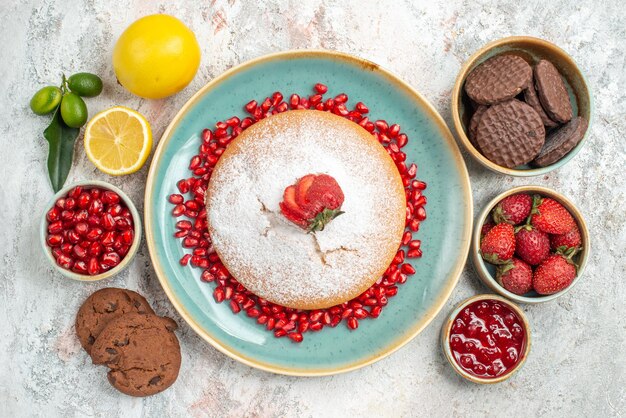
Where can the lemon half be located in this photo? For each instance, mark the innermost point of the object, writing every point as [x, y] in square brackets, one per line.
[118, 140]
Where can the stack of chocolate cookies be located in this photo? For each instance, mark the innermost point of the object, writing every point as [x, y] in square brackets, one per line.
[514, 106]
[119, 329]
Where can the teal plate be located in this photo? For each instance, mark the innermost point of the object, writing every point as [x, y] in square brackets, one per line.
[445, 234]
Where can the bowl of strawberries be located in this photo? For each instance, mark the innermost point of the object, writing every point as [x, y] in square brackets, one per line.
[530, 244]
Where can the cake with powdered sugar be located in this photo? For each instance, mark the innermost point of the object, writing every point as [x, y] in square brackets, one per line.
[306, 209]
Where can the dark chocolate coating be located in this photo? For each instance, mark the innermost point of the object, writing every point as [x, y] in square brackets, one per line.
[510, 133]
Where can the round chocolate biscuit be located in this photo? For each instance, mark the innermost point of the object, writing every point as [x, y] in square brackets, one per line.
[510, 133]
[101, 307]
[498, 79]
[473, 125]
[531, 97]
[561, 141]
[142, 352]
[552, 93]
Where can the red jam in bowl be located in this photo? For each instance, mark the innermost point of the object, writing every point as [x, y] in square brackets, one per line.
[90, 230]
[487, 339]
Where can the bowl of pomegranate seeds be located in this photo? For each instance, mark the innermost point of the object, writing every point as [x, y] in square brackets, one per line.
[530, 244]
[486, 339]
[90, 230]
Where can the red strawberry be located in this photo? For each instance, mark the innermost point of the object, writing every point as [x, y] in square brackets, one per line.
[324, 192]
[515, 276]
[290, 208]
[564, 242]
[553, 275]
[532, 245]
[302, 187]
[513, 209]
[498, 245]
[312, 202]
[487, 225]
[550, 216]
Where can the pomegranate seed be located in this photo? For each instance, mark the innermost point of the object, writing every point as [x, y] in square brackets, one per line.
[93, 234]
[84, 200]
[361, 108]
[234, 306]
[280, 333]
[80, 267]
[111, 259]
[183, 187]
[60, 203]
[75, 192]
[53, 214]
[79, 252]
[341, 98]
[67, 215]
[414, 253]
[73, 237]
[70, 203]
[382, 126]
[178, 210]
[218, 294]
[294, 101]
[316, 326]
[55, 227]
[402, 140]
[414, 225]
[66, 248]
[353, 323]
[295, 337]
[375, 312]
[95, 208]
[176, 199]
[110, 197]
[360, 313]
[320, 88]
[108, 222]
[93, 266]
[65, 261]
[407, 269]
[95, 249]
[393, 130]
[127, 236]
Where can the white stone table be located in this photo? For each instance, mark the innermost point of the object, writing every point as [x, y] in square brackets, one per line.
[578, 362]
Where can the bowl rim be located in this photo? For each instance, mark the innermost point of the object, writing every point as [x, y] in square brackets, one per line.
[447, 326]
[479, 264]
[458, 124]
[43, 231]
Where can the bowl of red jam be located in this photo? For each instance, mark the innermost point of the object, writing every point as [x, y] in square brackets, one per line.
[90, 231]
[486, 339]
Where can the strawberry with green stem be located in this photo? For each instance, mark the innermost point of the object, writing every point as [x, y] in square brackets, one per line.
[498, 245]
[312, 202]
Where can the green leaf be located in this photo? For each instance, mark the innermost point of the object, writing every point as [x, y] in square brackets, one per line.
[322, 218]
[61, 139]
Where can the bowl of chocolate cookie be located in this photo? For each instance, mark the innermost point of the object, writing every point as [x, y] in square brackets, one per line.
[521, 106]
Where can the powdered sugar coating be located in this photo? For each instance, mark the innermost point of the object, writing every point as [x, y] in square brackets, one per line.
[275, 259]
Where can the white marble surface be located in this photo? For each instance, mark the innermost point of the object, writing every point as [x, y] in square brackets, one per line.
[578, 362]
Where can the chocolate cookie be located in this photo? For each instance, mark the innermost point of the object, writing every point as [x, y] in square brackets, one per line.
[510, 133]
[530, 97]
[142, 352]
[552, 92]
[498, 79]
[473, 125]
[561, 141]
[103, 306]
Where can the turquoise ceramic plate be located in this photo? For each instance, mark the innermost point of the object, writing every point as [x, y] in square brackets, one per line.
[445, 234]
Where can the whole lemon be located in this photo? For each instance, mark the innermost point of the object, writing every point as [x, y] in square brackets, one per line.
[156, 56]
